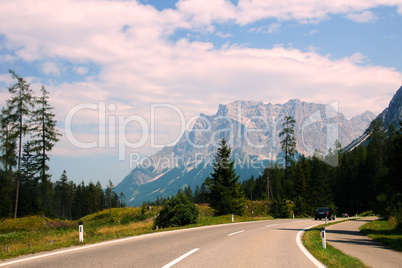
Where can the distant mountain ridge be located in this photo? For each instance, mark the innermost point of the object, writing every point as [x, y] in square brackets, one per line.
[251, 129]
[391, 115]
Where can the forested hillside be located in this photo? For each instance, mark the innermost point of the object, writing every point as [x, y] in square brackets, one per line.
[367, 178]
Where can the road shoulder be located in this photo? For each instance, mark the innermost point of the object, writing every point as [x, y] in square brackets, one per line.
[346, 237]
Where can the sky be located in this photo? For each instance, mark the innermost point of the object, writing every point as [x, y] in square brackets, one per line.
[127, 77]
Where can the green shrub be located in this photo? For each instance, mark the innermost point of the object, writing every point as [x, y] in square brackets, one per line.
[178, 211]
[281, 209]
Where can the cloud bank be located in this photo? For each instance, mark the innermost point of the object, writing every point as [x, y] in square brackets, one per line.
[130, 55]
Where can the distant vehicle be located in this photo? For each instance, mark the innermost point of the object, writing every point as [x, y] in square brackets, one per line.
[345, 215]
[322, 213]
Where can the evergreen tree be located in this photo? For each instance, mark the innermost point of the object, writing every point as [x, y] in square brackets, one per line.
[200, 194]
[44, 133]
[376, 155]
[300, 187]
[189, 193]
[319, 194]
[109, 194]
[6, 194]
[29, 196]
[225, 193]
[8, 143]
[288, 142]
[61, 195]
[17, 114]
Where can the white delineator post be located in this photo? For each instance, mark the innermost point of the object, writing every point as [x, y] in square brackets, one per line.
[232, 218]
[80, 232]
[323, 238]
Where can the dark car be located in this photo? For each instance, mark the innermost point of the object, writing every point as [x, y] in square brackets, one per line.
[322, 213]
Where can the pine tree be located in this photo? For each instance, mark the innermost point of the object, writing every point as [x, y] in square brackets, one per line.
[8, 143]
[288, 142]
[28, 185]
[17, 115]
[109, 194]
[6, 194]
[61, 190]
[45, 134]
[224, 192]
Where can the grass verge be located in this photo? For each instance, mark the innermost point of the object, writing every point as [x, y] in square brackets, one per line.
[384, 232]
[331, 257]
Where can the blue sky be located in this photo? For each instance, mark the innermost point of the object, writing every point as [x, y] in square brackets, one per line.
[103, 61]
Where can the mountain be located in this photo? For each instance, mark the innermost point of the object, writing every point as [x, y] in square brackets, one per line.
[251, 130]
[391, 115]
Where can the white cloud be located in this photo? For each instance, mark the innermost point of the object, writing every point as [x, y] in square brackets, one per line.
[357, 58]
[7, 58]
[313, 32]
[50, 68]
[81, 70]
[272, 28]
[365, 16]
[223, 35]
[201, 13]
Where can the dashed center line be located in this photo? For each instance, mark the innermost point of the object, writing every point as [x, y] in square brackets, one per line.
[170, 264]
[236, 233]
[271, 224]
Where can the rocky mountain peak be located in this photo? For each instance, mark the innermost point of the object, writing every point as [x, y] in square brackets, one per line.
[393, 113]
[251, 129]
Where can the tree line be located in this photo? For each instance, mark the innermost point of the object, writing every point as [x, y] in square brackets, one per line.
[28, 134]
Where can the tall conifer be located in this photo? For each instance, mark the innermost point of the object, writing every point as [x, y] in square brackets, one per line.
[17, 114]
[224, 191]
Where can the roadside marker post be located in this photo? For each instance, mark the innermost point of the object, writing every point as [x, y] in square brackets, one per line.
[80, 232]
[323, 238]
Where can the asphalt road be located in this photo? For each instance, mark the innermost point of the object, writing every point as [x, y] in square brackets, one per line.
[347, 237]
[251, 244]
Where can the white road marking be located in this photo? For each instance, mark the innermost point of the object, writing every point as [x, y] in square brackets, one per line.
[271, 224]
[236, 233]
[305, 251]
[170, 264]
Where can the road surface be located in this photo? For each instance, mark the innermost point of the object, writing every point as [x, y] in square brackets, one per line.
[270, 243]
[347, 237]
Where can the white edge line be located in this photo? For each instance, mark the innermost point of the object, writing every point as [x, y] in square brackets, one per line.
[236, 233]
[76, 248]
[305, 251]
[170, 264]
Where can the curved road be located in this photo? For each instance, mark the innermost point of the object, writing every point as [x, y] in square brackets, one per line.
[251, 244]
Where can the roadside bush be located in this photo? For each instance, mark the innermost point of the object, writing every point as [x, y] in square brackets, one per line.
[178, 211]
[281, 209]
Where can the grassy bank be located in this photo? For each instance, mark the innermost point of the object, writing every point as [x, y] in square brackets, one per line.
[330, 256]
[384, 232]
[37, 234]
